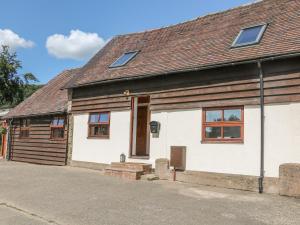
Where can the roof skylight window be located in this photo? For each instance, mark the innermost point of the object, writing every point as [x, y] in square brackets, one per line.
[123, 59]
[249, 36]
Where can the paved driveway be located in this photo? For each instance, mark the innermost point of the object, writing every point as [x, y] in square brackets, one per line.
[42, 195]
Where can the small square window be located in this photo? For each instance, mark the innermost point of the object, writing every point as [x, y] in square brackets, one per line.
[99, 125]
[57, 128]
[249, 36]
[224, 124]
[24, 128]
[124, 59]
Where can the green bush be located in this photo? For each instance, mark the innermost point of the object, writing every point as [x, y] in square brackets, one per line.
[3, 130]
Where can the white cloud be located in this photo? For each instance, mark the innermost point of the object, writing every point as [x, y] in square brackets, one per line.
[13, 40]
[78, 45]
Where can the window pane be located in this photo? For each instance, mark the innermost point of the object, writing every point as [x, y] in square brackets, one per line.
[61, 122]
[233, 115]
[213, 116]
[104, 129]
[94, 118]
[249, 35]
[232, 132]
[54, 122]
[104, 118]
[57, 133]
[123, 59]
[94, 130]
[213, 132]
[24, 122]
[100, 130]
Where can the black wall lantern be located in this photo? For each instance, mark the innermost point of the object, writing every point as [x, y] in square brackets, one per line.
[154, 127]
[122, 158]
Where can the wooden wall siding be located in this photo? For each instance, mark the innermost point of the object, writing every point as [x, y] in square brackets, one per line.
[103, 103]
[228, 86]
[277, 89]
[161, 83]
[38, 148]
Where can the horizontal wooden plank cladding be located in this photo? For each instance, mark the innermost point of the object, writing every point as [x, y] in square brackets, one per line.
[38, 148]
[102, 110]
[244, 92]
[38, 161]
[41, 144]
[101, 104]
[42, 149]
[41, 153]
[40, 157]
[34, 140]
[207, 97]
[191, 105]
[277, 89]
[226, 88]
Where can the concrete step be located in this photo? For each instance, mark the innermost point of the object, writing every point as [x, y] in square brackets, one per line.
[125, 173]
[146, 168]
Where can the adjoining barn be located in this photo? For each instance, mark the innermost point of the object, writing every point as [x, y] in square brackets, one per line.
[39, 125]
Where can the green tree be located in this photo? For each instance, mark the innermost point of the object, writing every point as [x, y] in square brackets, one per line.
[29, 89]
[12, 84]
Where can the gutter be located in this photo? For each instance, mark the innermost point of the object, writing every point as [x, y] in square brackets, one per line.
[35, 115]
[214, 66]
[262, 129]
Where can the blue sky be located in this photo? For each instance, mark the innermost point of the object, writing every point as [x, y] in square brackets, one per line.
[27, 25]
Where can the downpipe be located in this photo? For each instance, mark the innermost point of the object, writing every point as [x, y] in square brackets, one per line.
[262, 129]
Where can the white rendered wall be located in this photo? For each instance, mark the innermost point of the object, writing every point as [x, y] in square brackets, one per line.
[282, 140]
[282, 136]
[101, 150]
[183, 128]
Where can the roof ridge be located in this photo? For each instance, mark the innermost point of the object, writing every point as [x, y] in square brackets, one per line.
[254, 2]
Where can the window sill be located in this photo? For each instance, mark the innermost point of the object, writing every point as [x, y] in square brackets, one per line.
[102, 137]
[57, 139]
[223, 142]
[139, 157]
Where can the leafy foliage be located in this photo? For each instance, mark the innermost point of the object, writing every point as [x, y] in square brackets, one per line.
[13, 86]
[29, 89]
[2, 131]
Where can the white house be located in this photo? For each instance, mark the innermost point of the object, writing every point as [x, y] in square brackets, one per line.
[225, 86]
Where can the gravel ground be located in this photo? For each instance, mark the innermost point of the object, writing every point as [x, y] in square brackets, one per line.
[40, 195]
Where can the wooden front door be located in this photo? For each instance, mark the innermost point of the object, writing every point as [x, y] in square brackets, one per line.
[140, 126]
[141, 131]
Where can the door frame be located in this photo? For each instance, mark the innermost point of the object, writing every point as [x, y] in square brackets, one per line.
[3, 141]
[133, 127]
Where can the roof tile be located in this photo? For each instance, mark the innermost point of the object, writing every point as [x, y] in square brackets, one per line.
[49, 99]
[198, 43]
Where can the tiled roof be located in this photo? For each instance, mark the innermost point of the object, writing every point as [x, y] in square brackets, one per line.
[51, 98]
[203, 42]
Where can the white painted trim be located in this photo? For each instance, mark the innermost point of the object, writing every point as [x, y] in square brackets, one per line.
[135, 107]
